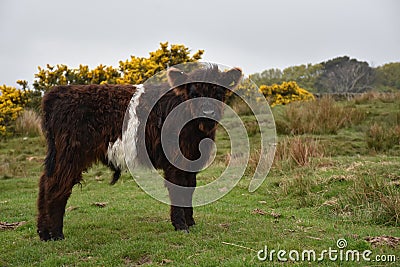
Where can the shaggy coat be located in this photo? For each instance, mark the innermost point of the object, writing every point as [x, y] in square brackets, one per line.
[83, 124]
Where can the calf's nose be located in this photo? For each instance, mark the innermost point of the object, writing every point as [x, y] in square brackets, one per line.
[209, 112]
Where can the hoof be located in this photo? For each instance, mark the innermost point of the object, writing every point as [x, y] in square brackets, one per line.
[186, 231]
[57, 237]
[183, 228]
[190, 222]
[44, 235]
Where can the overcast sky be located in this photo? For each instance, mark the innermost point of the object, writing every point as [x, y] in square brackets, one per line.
[254, 35]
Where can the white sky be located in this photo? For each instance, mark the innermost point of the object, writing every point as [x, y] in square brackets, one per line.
[253, 35]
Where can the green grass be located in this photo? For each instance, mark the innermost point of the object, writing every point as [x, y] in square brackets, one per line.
[337, 196]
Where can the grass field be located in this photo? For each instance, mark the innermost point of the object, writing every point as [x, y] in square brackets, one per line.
[349, 190]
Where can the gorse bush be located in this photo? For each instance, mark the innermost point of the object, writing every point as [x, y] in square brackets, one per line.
[12, 103]
[62, 75]
[136, 70]
[285, 93]
[324, 116]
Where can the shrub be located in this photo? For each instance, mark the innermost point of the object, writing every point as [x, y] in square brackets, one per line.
[139, 69]
[12, 103]
[285, 93]
[133, 71]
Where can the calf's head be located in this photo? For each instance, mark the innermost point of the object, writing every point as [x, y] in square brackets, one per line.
[207, 88]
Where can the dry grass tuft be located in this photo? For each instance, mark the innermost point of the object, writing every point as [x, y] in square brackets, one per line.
[324, 116]
[373, 96]
[29, 124]
[382, 138]
[298, 150]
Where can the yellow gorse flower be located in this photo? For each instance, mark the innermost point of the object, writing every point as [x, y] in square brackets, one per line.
[12, 103]
[131, 71]
[285, 93]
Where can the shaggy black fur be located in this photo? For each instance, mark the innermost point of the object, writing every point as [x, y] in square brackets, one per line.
[80, 121]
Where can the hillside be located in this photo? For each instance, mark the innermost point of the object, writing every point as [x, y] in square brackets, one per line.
[325, 185]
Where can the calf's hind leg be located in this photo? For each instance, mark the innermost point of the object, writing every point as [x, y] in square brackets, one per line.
[52, 200]
[115, 169]
[42, 225]
[56, 211]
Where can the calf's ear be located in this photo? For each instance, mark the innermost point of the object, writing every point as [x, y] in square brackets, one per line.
[176, 80]
[176, 77]
[232, 77]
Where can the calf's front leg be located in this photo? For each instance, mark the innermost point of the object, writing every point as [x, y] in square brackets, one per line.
[180, 191]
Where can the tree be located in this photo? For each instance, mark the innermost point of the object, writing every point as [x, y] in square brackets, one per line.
[388, 77]
[304, 75]
[345, 75]
[267, 77]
